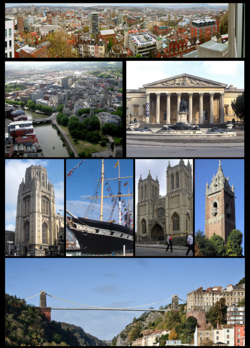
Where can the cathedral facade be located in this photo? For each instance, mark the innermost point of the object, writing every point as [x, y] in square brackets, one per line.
[37, 224]
[220, 206]
[158, 216]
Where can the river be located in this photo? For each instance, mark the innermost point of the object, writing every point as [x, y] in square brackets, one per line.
[48, 137]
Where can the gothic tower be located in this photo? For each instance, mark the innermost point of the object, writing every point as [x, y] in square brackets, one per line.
[220, 206]
[148, 192]
[179, 201]
[36, 220]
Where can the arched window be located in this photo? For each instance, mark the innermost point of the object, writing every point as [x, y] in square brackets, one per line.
[143, 226]
[43, 181]
[172, 181]
[177, 180]
[26, 205]
[26, 231]
[44, 233]
[176, 222]
[45, 206]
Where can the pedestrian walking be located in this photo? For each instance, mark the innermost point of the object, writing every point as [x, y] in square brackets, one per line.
[169, 242]
[190, 243]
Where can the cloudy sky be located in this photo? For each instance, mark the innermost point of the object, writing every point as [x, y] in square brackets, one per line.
[143, 72]
[15, 171]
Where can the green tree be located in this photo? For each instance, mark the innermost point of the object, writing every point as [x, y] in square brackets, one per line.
[138, 55]
[64, 120]
[109, 44]
[204, 245]
[217, 313]
[191, 323]
[60, 107]
[218, 244]
[234, 242]
[242, 281]
[238, 106]
[31, 105]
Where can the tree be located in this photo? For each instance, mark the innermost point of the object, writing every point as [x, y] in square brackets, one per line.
[205, 247]
[64, 120]
[218, 244]
[59, 47]
[234, 242]
[86, 29]
[242, 281]
[109, 44]
[173, 335]
[60, 107]
[217, 313]
[31, 105]
[138, 55]
[238, 106]
[191, 323]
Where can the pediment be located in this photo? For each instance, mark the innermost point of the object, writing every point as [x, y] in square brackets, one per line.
[185, 80]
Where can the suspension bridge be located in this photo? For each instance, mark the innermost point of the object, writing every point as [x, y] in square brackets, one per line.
[47, 310]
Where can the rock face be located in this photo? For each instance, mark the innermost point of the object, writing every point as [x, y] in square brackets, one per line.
[122, 338]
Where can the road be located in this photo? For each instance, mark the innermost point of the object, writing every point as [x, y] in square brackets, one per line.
[167, 151]
[154, 251]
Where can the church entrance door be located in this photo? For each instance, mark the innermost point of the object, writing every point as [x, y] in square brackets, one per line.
[157, 233]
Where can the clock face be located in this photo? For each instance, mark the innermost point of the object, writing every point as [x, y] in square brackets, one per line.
[160, 212]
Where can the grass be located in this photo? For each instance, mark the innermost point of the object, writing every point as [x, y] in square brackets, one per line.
[83, 145]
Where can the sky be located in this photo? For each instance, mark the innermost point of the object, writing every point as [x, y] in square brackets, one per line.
[156, 167]
[15, 172]
[119, 282]
[204, 171]
[229, 72]
[83, 183]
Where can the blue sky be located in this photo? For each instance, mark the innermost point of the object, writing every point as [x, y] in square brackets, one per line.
[204, 171]
[83, 183]
[15, 172]
[226, 71]
[120, 282]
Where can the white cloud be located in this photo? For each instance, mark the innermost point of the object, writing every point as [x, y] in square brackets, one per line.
[231, 68]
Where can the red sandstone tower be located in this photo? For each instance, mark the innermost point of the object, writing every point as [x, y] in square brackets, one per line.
[220, 206]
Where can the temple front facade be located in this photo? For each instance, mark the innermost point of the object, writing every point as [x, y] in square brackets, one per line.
[208, 102]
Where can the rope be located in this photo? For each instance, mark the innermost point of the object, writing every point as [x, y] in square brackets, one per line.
[31, 297]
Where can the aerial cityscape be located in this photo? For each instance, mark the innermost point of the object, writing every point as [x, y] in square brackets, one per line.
[63, 109]
[125, 31]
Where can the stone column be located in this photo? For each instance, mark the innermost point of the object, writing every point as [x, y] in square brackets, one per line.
[147, 107]
[201, 108]
[222, 108]
[168, 107]
[158, 108]
[211, 108]
[178, 105]
[190, 107]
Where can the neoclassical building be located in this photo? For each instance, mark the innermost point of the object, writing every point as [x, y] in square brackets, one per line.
[37, 224]
[159, 216]
[158, 102]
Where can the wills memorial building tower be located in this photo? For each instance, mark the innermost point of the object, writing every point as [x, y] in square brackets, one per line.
[158, 216]
[37, 224]
[220, 206]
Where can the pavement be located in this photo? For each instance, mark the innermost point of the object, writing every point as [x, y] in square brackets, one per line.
[159, 250]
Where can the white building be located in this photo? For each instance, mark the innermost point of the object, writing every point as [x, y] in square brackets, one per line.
[9, 38]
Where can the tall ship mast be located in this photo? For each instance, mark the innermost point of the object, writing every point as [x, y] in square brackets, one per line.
[104, 237]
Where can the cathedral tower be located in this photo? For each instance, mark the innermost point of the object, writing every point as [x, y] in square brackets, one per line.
[36, 219]
[220, 206]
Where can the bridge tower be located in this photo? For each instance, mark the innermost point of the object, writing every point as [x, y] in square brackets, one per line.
[175, 303]
[43, 306]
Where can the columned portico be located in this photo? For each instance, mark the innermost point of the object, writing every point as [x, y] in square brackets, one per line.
[168, 107]
[178, 105]
[201, 108]
[159, 102]
[190, 107]
[158, 108]
[211, 107]
[222, 108]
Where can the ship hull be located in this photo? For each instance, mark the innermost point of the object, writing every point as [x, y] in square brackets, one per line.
[100, 238]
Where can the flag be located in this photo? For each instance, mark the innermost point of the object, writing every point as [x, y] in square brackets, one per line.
[125, 183]
[116, 163]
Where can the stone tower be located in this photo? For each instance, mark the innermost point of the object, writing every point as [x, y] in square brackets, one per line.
[220, 206]
[175, 303]
[179, 200]
[36, 219]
